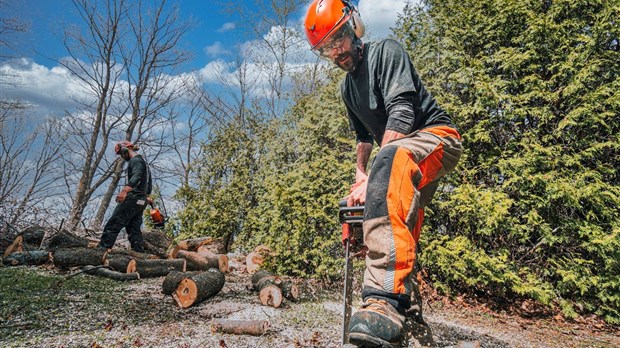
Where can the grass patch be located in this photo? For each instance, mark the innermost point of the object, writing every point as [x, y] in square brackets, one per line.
[33, 300]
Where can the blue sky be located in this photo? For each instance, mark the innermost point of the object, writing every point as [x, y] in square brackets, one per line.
[214, 40]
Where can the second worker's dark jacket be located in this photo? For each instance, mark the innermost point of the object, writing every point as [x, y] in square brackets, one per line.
[139, 177]
[385, 92]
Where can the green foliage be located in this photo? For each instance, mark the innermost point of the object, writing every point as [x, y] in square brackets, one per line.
[278, 183]
[533, 206]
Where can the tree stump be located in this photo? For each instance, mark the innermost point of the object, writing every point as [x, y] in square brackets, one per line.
[268, 287]
[240, 327]
[159, 268]
[34, 257]
[199, 287]
[172, 280]
[104, 272]
[73, 257]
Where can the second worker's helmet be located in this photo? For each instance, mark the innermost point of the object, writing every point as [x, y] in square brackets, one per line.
[325, 17]
[123, 146]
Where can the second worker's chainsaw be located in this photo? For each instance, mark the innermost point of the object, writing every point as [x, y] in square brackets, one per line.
[351, 219]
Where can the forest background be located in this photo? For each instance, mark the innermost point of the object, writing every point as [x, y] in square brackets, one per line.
[531, 212]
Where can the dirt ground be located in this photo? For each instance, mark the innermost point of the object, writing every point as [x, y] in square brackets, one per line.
[139, 315]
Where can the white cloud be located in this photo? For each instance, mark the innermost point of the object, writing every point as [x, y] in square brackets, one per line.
[226, 27]
[217, 49]
[380, 15]
[49, 90]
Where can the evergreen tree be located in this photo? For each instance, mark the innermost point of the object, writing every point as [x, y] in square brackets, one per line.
[532, 209]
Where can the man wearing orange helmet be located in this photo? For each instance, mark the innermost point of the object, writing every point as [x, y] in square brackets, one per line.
[388, 104]
[131, 200]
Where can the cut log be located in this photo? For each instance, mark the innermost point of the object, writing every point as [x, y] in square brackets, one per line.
[157, 239]
[151, 249]
[200, 262]
[253, 262]
[193, 244]
[65, 239]
[73, 257]
[108, 273]
[172, 280]
[120, 263]
[255, 259]
[268, 287]
[34, 257]
[199, 287]
[33, 236]
[240, 327]
[222, 260]
[159, 268]
[16, 246]
[290, 290]
[133, 254]
[215, 245]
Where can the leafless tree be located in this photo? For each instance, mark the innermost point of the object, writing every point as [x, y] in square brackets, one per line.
[28, 177]
[274, 49]
[121, 58]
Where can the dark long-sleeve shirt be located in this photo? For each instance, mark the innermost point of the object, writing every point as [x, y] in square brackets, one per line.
[386, 93]
[138, 176]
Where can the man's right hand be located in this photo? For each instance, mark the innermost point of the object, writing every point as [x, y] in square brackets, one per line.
[358, 191]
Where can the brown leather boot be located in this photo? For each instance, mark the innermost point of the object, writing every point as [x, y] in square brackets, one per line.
[376, 324]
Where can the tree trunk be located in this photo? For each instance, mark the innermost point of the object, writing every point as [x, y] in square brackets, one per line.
[35, 257]
[197, 288]
[159, 268]
[239, 327]
[104, 272]
[73, 257]
[107, 197]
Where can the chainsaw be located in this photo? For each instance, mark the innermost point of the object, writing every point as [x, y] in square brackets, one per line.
[351, 219]
[157, 218]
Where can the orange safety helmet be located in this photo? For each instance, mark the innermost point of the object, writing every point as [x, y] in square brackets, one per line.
[325, 17]
[123, 146]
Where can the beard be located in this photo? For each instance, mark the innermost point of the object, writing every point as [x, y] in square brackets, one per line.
[350, 60]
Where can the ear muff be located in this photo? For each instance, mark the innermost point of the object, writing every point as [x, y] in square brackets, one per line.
[124, 150]
[358, 25]
[356, 19]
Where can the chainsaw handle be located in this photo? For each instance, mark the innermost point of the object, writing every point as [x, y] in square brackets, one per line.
[350, 215]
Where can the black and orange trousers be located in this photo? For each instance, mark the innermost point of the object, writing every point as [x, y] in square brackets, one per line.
[403, 179]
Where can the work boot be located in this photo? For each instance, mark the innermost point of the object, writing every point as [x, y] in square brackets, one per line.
[376, 324]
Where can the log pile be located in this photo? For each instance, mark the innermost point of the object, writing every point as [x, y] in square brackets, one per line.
[193, 269]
